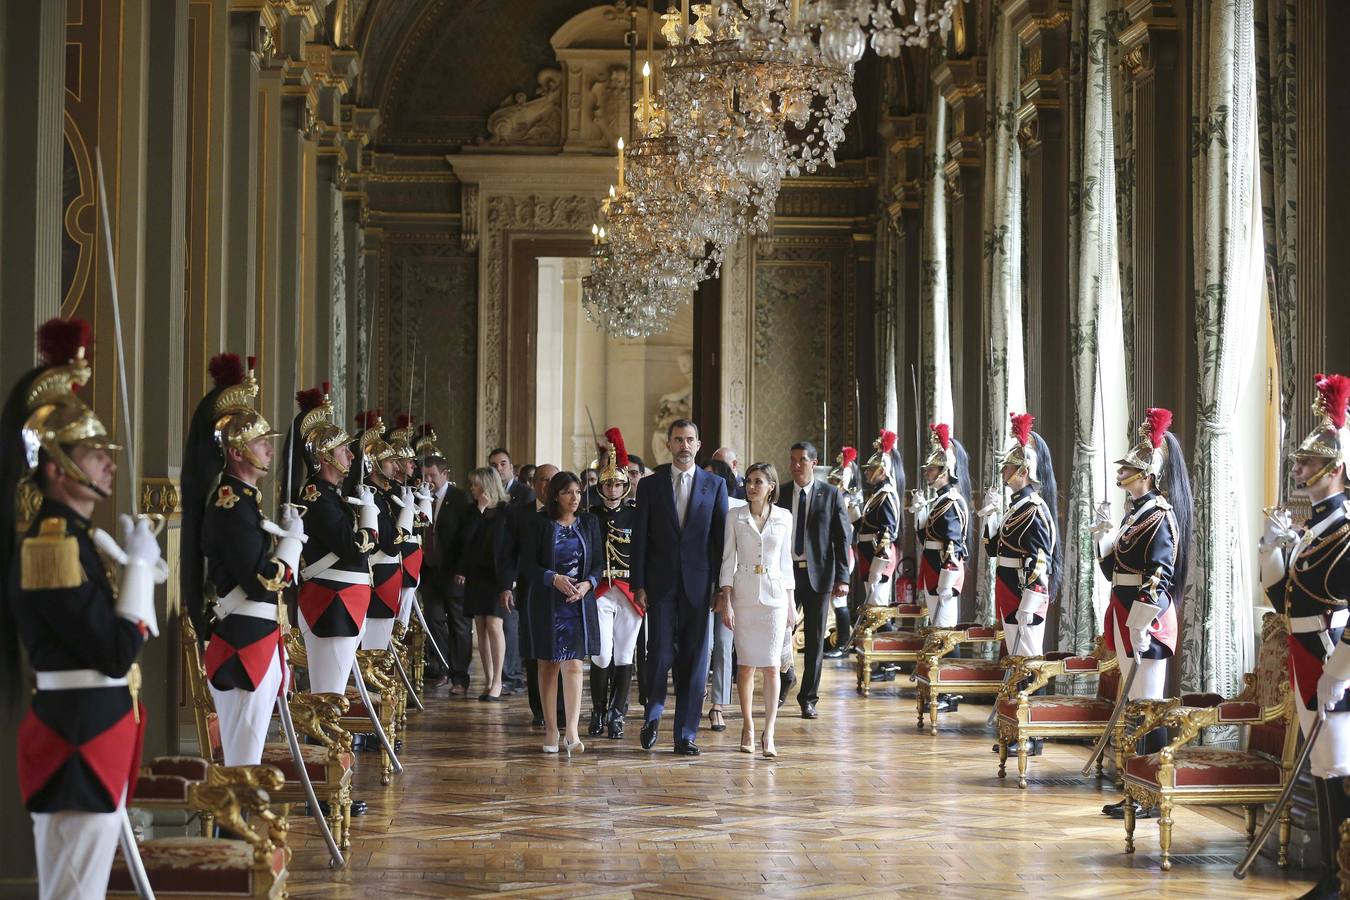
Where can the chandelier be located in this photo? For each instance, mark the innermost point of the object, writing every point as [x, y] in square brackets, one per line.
[894, 24]
[752, 99]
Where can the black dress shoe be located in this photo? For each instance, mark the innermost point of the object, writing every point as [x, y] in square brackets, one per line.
[597, 724]
[537, 721]
[358, 807]
[686, 748]
[809, 711]
[1035, 747]
[835, 654]
[1117, 810]
[717, 726]
[614, 727]
[649, 733]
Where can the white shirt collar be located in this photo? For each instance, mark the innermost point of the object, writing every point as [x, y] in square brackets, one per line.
[440, 491]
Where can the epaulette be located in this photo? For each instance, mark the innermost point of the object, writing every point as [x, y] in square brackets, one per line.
[310, 493]
[50, 559]
[1161, 502]
[226, 498]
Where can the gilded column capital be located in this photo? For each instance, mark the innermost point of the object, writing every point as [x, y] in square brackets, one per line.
[1149, 43]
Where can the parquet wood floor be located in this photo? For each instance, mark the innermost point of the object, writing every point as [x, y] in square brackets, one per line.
[858, 804]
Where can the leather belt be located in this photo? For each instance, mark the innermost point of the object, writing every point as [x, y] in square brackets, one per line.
[620, 574]
[342, 575]
[1011, 562]
[1127, 579]
[314, 569]
[757, 570]
[236, 603]
[1307, 624]
[76, 679]
[867, 539]
[935, 545]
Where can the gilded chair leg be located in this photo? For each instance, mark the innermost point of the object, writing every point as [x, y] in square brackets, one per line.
[1022, 761]
[1129, 824]
[863, 687]
[1120, 763]
[932, 713]
[1101, 765]
[1165, 833]
[208, 825]
[1002, 757]
[1250, 812]
[387, 768]
[1284, 838]
[922, 701]
[347, 821]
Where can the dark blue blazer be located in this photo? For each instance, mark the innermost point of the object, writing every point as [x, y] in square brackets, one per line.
[666, 556]
[537, 566]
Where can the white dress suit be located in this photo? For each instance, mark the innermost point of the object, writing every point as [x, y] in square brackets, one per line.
[757, 566]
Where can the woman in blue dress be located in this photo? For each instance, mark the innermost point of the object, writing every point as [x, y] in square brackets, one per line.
[562, 556]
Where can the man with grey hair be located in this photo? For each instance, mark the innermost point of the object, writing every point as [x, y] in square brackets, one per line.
[728, 456]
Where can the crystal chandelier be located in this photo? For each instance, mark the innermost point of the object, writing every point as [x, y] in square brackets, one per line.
[894, 24]
[752, 99]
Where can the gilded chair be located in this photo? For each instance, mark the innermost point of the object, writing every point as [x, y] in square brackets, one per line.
[874, 647]
[1022, 716]
[328, 760]
[1182, 774]
[235, 797]
[937, 673]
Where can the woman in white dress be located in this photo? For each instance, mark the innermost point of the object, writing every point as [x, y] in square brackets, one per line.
[756, 600]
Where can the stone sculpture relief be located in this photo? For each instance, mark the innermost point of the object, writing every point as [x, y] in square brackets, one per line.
[529, 122]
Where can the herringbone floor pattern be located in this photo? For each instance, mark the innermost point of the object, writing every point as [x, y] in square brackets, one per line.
[858, 804]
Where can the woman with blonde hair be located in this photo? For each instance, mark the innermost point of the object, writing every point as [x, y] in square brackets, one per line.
[756, 601]
[483, 542]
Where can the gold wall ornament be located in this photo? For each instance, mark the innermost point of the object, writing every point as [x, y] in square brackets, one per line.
[160, 496]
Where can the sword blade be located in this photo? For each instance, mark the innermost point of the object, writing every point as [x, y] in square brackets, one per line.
[128, 436]
[421, 617]
[374, 719]
[288, 726]
[403, 676]
[1100, 747]
[1277, 810]
[131, 852]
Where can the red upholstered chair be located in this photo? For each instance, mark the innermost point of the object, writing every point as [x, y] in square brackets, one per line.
[936, 673]
[874, 647]
[197, 867]
[1182, 774]
[316, 716]
[1023, 716]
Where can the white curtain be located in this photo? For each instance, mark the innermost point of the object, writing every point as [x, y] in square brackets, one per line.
[934, 312]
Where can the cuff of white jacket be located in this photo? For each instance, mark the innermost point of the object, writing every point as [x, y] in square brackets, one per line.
[1142, 615]
[369, 518]
[947, 580]
[1032, 601]
[136, 598]
[1338, 663]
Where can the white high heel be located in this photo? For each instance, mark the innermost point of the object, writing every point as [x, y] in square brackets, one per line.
[553, 747]
[576, 747]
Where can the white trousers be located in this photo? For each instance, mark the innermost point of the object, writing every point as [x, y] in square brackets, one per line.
[378, 634]
[244, 717]
[75, 853]
[1031, 638]
[619, 627]
[1151, 682]
[942, 610]
[878, 592]
[330, 660]
[1330, 757]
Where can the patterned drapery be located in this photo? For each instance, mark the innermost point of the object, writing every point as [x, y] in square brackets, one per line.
[1221, 165]
[1092, 57]
[934, 312]
[1276, 97]
[1006, 368]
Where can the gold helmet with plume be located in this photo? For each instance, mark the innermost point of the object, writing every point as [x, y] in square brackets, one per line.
[318, 430]
[942, 456]
[1148, 453]
[1329, 442]
[237, 422]
[1022, 452]
[616, 462]
[401, 437]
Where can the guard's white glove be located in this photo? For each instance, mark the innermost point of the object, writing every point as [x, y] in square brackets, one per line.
[989, 505]
[1279, 529]
[946, 582]
[290, 535]
[368, 514]
[1139, 622]
[1331, 687]
[142, 568]
[407, 504]
[1101, 519]
[424, 501]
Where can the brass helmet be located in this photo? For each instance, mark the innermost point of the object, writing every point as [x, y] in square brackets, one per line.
[841, 474]
[320, 434]
[1330, 440]
[237, 423]
[425, 445]
[371, 438]
[400, 438]
[943, 454]
[616, 463]
[57, 418]
[881, 459]
[1022, 452]
[1148, 453]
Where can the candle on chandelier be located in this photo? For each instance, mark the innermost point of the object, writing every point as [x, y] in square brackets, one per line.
[620, 165]
[595, 234]
[796, 9]
[647, 95]
[688, 32]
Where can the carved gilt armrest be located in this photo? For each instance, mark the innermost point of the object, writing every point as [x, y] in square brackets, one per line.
[937, 643]
[873, 618]
[317, 716]
[238, 795]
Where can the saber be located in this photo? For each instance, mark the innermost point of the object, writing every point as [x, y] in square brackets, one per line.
[335, 860]
[374, 719]
[128, 436]
[403, 675]
[417, 608]
[918, 430]
[126, 838]
[1275, 811]
[1100, 747]
[1007, 676]
[595, 435]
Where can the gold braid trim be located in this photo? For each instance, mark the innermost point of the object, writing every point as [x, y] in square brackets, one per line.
[50, 560]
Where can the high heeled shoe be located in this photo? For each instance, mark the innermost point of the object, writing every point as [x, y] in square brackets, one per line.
[747, 741]
[770, 751]
[576, 747]
[721, 723]
[553, 747]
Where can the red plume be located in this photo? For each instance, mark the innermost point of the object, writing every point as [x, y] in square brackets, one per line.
[615, 437]
[367, 419]
[426, 429]
[59, 340]
[327, 388]
[943, 432]
[310, 398]
[1335, 391]
[1021, 427]
[887, 441]
[403, 421]
[847, 456]
[252, 363]
[226, 370]
[1159, 420]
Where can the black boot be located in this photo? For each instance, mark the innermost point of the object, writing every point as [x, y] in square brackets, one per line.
[785, 682]
[599, 699]
[619, 683]
[1332, 808]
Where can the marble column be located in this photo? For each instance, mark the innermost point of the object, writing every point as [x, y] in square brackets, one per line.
[241, 184]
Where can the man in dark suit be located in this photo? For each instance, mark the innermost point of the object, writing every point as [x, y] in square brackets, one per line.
[520, 517]
[820, 539]
[518, 493]
[728, 456]
[677, 552]
[443, 601]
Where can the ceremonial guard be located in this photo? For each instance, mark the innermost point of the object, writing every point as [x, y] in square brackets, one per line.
[374, 487]
[80, 743]
[620, 618]
[941, 523]
[1306, 574]
[411, 492]
[878, 527]
[1024, 541]
[1146, 557]
[335, 590]
[228, 555]
[845, 476]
